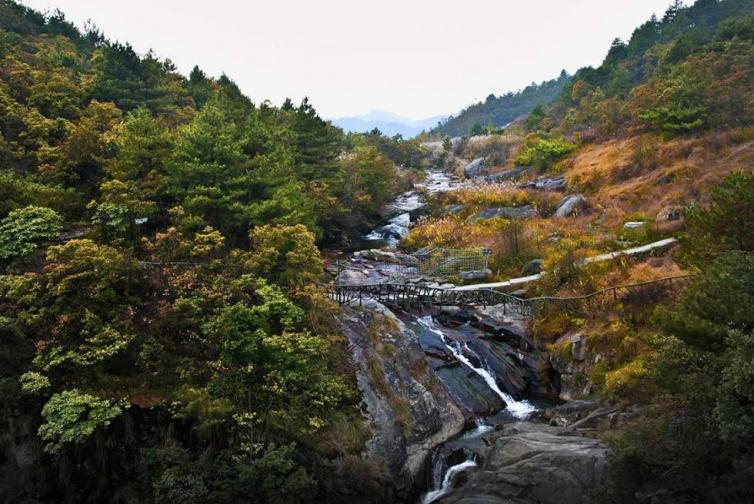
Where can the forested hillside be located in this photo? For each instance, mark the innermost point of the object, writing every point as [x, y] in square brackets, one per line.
[687, 72]
[161, 336]
[497, 111]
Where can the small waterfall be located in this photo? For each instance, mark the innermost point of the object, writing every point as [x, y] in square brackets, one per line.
[480, 429]
[398, 226]
[392, 232]
[519, 409]
[447, 481]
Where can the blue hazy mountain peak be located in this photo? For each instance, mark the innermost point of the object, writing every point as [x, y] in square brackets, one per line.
[387, 122]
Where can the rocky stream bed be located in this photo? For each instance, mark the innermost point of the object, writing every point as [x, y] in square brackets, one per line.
[462, 404]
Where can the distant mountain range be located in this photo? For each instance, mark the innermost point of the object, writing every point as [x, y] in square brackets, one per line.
[388, 123]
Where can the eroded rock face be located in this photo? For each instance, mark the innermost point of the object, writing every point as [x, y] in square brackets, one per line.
[535, 463]
[502, 339]
[409, 415]
[573, 362]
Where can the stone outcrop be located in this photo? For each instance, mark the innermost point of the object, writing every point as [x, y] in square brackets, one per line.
[408, 415]
[475, 276]
[570, 206]
[530, 463]
[572, 361]
[522, 212]
[387, 257]
[474, 169]
[511, 174]
[546, 184]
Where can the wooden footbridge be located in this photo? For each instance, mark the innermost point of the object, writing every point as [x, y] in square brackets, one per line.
[408, 295]
[414, 295]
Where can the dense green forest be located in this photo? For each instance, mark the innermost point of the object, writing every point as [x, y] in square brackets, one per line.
[159, 246]
[497, 111]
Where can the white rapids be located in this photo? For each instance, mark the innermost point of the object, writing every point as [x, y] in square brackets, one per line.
[447, 481]
[519, 409]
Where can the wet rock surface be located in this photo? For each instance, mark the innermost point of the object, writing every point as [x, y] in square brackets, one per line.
[408, 415]
[534, 463]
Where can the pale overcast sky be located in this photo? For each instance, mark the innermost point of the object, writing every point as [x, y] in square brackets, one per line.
[416, 58]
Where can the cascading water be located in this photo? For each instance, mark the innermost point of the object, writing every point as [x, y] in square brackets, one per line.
[442, 484]
[519, 409]
[447, 481]
[398, 226]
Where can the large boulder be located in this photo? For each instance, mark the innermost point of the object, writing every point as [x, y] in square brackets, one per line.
[474, 169]
[533, 267]
[571, 359]
[570, 206]
[388, 257]
[534, 463]
[475, 275]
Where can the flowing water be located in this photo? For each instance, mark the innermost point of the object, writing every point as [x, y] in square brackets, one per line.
[447, 481]
[461, 351]
[443, 478]
[398, 225]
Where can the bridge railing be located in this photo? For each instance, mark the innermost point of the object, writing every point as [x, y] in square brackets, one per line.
[415, 295]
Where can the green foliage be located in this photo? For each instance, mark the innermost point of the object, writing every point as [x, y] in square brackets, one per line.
[698, 443]
[263, 351]
[72, 417]
[676, 75]
[34, 383]
[535, 117]
[84, 292]
[734, 409]
[285, 255]
[369, 179]
[719, 298]
[185, 282]
[677, 105]
[725, 224]
[23, 230]
[543, 153]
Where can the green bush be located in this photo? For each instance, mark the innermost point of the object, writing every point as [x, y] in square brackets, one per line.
[543, 153]
[25, 229]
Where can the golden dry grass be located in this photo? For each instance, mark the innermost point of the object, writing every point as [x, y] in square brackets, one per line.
[644, 174]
